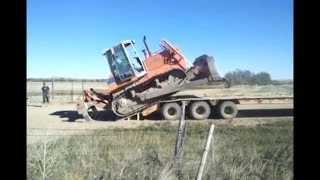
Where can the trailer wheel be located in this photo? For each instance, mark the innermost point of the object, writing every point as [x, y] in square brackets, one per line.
[171, 111]
[228, 110]
[200, 110]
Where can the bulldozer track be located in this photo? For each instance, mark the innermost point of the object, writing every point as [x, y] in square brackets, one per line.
[134, 112]
[180, 84]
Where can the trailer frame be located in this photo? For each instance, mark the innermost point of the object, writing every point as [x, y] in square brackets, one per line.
[215, 103]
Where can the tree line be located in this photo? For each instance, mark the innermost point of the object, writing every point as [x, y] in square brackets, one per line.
[247, 77]
[236, 77]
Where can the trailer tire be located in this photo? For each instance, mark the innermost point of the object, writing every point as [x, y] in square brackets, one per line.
[228, 110]
[171, 111]
[200, 110]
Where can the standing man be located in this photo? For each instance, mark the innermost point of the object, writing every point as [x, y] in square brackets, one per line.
[45, 93]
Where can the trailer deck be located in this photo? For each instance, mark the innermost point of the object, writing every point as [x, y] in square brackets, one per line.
[240, 102]
[200, 103]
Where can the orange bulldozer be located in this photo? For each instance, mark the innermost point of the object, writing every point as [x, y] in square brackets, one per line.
[136, 84]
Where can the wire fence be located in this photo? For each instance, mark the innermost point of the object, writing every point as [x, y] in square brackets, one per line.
[138, 150]
[70, 89]
[90, 143]
[62, 91]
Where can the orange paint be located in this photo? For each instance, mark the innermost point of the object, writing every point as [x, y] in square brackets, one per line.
[156, 64]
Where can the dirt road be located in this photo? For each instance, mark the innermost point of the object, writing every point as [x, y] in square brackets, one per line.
[53, 120]
[58, 116]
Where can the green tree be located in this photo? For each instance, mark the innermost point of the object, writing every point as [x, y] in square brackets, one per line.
[262, 78]
[246, 77]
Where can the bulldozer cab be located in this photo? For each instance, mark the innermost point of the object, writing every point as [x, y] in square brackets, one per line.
[124, 61]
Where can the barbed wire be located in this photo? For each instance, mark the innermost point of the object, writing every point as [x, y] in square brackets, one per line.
[168, 158]
[186, 160]
[108, 146]
[100, 129]
[89, 135]
[57, 129]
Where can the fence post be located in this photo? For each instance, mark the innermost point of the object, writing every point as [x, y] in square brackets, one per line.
[30, 94]
[205, 153]
[82, 86]
[72, 90]
[52, 91]
[179, 141]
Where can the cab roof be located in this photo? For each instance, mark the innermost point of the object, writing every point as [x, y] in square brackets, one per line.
[122, 42]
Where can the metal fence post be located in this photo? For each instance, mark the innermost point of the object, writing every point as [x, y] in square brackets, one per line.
[205, 153]
[52, 91]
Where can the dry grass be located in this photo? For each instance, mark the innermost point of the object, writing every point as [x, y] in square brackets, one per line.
[240, 152]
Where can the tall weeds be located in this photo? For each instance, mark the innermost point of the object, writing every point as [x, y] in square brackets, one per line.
[261, 152]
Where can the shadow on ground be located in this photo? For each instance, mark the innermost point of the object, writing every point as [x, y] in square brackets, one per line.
[110, 116]
[34, 105]
[241, 114]
[265, 113]
[73, 115]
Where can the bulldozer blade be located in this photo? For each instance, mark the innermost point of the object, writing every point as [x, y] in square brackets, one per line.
[215, 76]
[213, 69]
[207, 68]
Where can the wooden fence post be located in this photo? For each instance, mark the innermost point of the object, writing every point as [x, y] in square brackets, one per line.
[72, 90]
[179, 141]
[205, 153]
[82, 86]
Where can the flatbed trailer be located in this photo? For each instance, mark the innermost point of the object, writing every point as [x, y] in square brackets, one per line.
[200, 108]
[201, 103]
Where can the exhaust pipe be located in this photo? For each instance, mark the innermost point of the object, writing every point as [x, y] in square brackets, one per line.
[145, 53]
[147, 47]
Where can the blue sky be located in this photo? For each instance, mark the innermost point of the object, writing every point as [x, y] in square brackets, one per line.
[66, 38]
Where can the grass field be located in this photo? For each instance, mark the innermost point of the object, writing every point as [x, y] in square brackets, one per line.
[239, 152]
